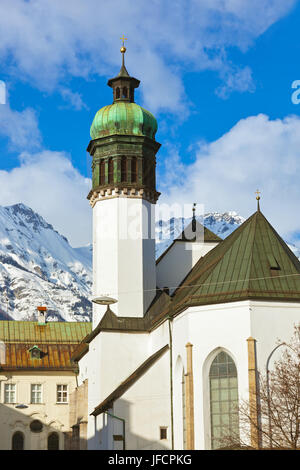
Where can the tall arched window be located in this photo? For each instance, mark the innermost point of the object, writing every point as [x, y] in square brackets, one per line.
[117, 93]
[223, 400]
[17, 441]
[124, 92]
[53, 441]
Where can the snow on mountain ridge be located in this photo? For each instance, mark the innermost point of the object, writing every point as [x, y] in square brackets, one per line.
[38, 265]
[221, 224]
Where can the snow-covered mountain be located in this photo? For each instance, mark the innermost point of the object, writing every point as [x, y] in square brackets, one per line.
[221, 224]
[38, 266]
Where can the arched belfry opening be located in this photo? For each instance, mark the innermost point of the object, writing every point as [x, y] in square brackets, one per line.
[123, 84]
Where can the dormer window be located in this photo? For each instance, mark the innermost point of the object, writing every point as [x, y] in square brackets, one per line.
[35, 352]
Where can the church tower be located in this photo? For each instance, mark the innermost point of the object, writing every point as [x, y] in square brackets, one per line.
[123, 197]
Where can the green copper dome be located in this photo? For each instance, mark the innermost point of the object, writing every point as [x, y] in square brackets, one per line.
[123, 118]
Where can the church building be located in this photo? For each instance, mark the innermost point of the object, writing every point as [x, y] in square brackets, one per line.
[178, 342]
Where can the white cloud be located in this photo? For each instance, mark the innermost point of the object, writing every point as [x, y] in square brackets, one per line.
[49, 184]
[47, 41]
[256, 153]
[235, 80]
[20, 127]
[73, 99]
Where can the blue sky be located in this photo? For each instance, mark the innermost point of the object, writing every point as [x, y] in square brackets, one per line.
[217, 75]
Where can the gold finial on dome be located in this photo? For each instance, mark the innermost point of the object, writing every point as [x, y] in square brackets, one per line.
[123, 48]
[257, 198]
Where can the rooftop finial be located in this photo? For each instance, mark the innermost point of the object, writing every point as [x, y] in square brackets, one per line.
[194, 218]
[257, 192]
[123, 48]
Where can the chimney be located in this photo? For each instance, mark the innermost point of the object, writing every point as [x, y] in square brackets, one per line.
[41, 316]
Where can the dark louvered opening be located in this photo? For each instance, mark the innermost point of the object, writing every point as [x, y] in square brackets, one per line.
[274, 265]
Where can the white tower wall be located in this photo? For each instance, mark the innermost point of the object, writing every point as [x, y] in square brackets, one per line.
[124, 254]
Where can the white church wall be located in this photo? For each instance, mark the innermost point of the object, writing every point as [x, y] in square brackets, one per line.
[83, 370]
[178, 397]
[112, 357]
[272, 323]
[146, 407]
[158, 338]
[211, 329]
[178, 261]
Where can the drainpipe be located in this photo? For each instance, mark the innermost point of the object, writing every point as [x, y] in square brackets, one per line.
[123, 421]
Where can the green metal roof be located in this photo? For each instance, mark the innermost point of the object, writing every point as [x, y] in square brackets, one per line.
[123, 118]
[252, 263]
[51, 332]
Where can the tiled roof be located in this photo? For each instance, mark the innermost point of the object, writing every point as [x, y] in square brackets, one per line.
[56, 340]
[51, 332]
[53, 357]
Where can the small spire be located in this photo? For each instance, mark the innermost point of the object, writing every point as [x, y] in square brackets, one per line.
[194, 218]
[257, 192]
[123, 84]
[123, 50]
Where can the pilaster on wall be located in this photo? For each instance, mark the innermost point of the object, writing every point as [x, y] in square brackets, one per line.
[78, 418]
[189, 396]
[253, 393]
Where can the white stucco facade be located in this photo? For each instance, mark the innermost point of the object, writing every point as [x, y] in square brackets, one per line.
[53, 415]
[124, 254]
[146, 405]
[172, 268]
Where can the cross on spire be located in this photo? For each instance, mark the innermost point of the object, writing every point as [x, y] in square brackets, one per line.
[123, 49]
[123, 39]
